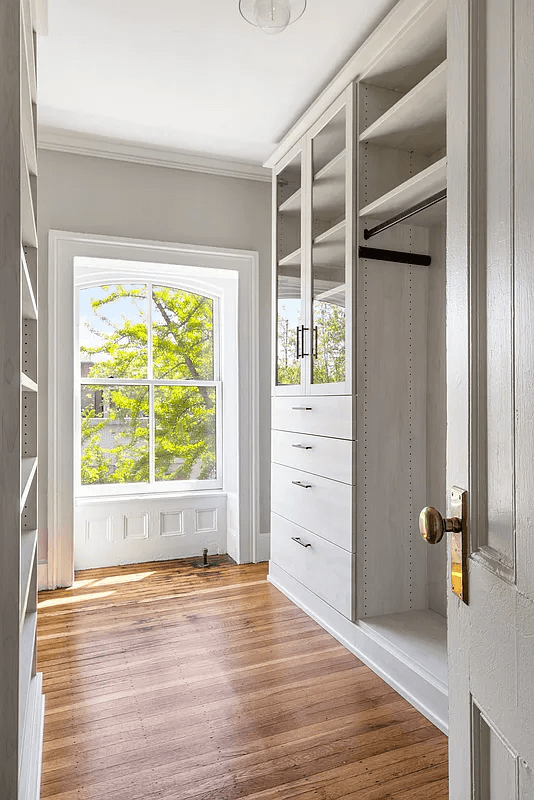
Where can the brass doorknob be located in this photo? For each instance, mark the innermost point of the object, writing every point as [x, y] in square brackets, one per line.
[432, 525]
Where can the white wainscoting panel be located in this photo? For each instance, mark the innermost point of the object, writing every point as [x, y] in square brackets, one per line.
[125, 530]
[171, 523]
[206, 520]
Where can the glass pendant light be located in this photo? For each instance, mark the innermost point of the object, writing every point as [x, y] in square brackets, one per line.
[272, 16]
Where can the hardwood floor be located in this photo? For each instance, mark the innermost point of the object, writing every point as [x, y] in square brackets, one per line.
[167, 682]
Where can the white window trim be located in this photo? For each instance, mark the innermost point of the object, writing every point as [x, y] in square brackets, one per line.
[243, 503]
[84, 278]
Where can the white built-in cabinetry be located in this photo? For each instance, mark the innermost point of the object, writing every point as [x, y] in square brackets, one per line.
[21, 699]
[358, 412]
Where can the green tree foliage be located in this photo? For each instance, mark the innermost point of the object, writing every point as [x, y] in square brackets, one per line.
[115, 427]
[329, 363]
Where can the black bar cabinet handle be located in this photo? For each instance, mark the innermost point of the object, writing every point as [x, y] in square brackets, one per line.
[302, 348]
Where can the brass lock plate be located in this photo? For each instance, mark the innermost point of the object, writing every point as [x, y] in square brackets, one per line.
[459, 544]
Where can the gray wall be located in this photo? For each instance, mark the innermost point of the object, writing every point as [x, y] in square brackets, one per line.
[115, 198]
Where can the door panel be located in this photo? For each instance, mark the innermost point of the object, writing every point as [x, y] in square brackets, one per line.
[490, 319]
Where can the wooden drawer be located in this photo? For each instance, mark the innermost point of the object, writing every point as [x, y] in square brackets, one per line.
[323, 567]
[331, 458]
[324, 416]
[320, 505]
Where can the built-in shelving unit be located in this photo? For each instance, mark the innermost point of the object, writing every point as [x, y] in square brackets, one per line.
[29, 304]
[292, 259]
[361, 236]
[27, 205]
[423, 185]
[416, 122]
[329, 247]
[402, 140]
[28, 549]
[292, 204]
[21, 698]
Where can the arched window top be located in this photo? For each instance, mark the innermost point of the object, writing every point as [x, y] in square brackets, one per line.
[146, 331]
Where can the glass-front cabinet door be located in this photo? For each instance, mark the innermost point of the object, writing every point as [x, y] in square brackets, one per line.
[314, 235]
[330, 156]
[290, 325]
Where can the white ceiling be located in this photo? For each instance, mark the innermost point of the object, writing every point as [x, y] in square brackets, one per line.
[190, 75]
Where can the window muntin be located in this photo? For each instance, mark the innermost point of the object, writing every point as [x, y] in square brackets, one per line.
[149, 389]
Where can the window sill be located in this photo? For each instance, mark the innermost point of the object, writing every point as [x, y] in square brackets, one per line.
[144, 496]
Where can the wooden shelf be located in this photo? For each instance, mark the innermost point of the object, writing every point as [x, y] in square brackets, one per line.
[29, 52]
[413, 54]
[329, 247]
[27, 211]
[26, 651]
[27, 121]
[328, 197]
[29, 305]
[420, 636]
[293, 258]
[28, 549]
[334, 170]
[417, 122]
[330, 141]
[407, 194]
[336, 296]
[293, 203]
[27, 384]
[27, 474]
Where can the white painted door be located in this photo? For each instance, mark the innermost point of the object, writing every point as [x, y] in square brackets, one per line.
[490, 352]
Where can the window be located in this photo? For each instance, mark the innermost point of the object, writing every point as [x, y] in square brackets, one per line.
[150, 389]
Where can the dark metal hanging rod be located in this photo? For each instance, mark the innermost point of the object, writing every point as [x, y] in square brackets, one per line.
[397, 256]
[409, 212]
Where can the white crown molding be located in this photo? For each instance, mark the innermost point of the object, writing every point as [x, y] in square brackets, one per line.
[68, 142]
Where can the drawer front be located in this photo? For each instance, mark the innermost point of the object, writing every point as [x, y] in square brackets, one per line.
[324, 416]
[323, 567]
[320, 505]
[331, 458]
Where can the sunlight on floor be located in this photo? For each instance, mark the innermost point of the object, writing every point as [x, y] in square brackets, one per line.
[63, 601]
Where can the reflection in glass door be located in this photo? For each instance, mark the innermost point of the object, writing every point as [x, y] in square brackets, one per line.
[289, 321]
[329, 169]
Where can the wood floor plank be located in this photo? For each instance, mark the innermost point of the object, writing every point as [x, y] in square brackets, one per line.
[167, 682]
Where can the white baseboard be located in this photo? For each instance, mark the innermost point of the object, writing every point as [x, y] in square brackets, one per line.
[42, 576]
[232, 544]
[427, 695]
[263, 547]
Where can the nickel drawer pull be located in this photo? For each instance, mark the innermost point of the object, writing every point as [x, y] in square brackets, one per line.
[302, 485]
[302, 446]
[298, 540]
[302, 408]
